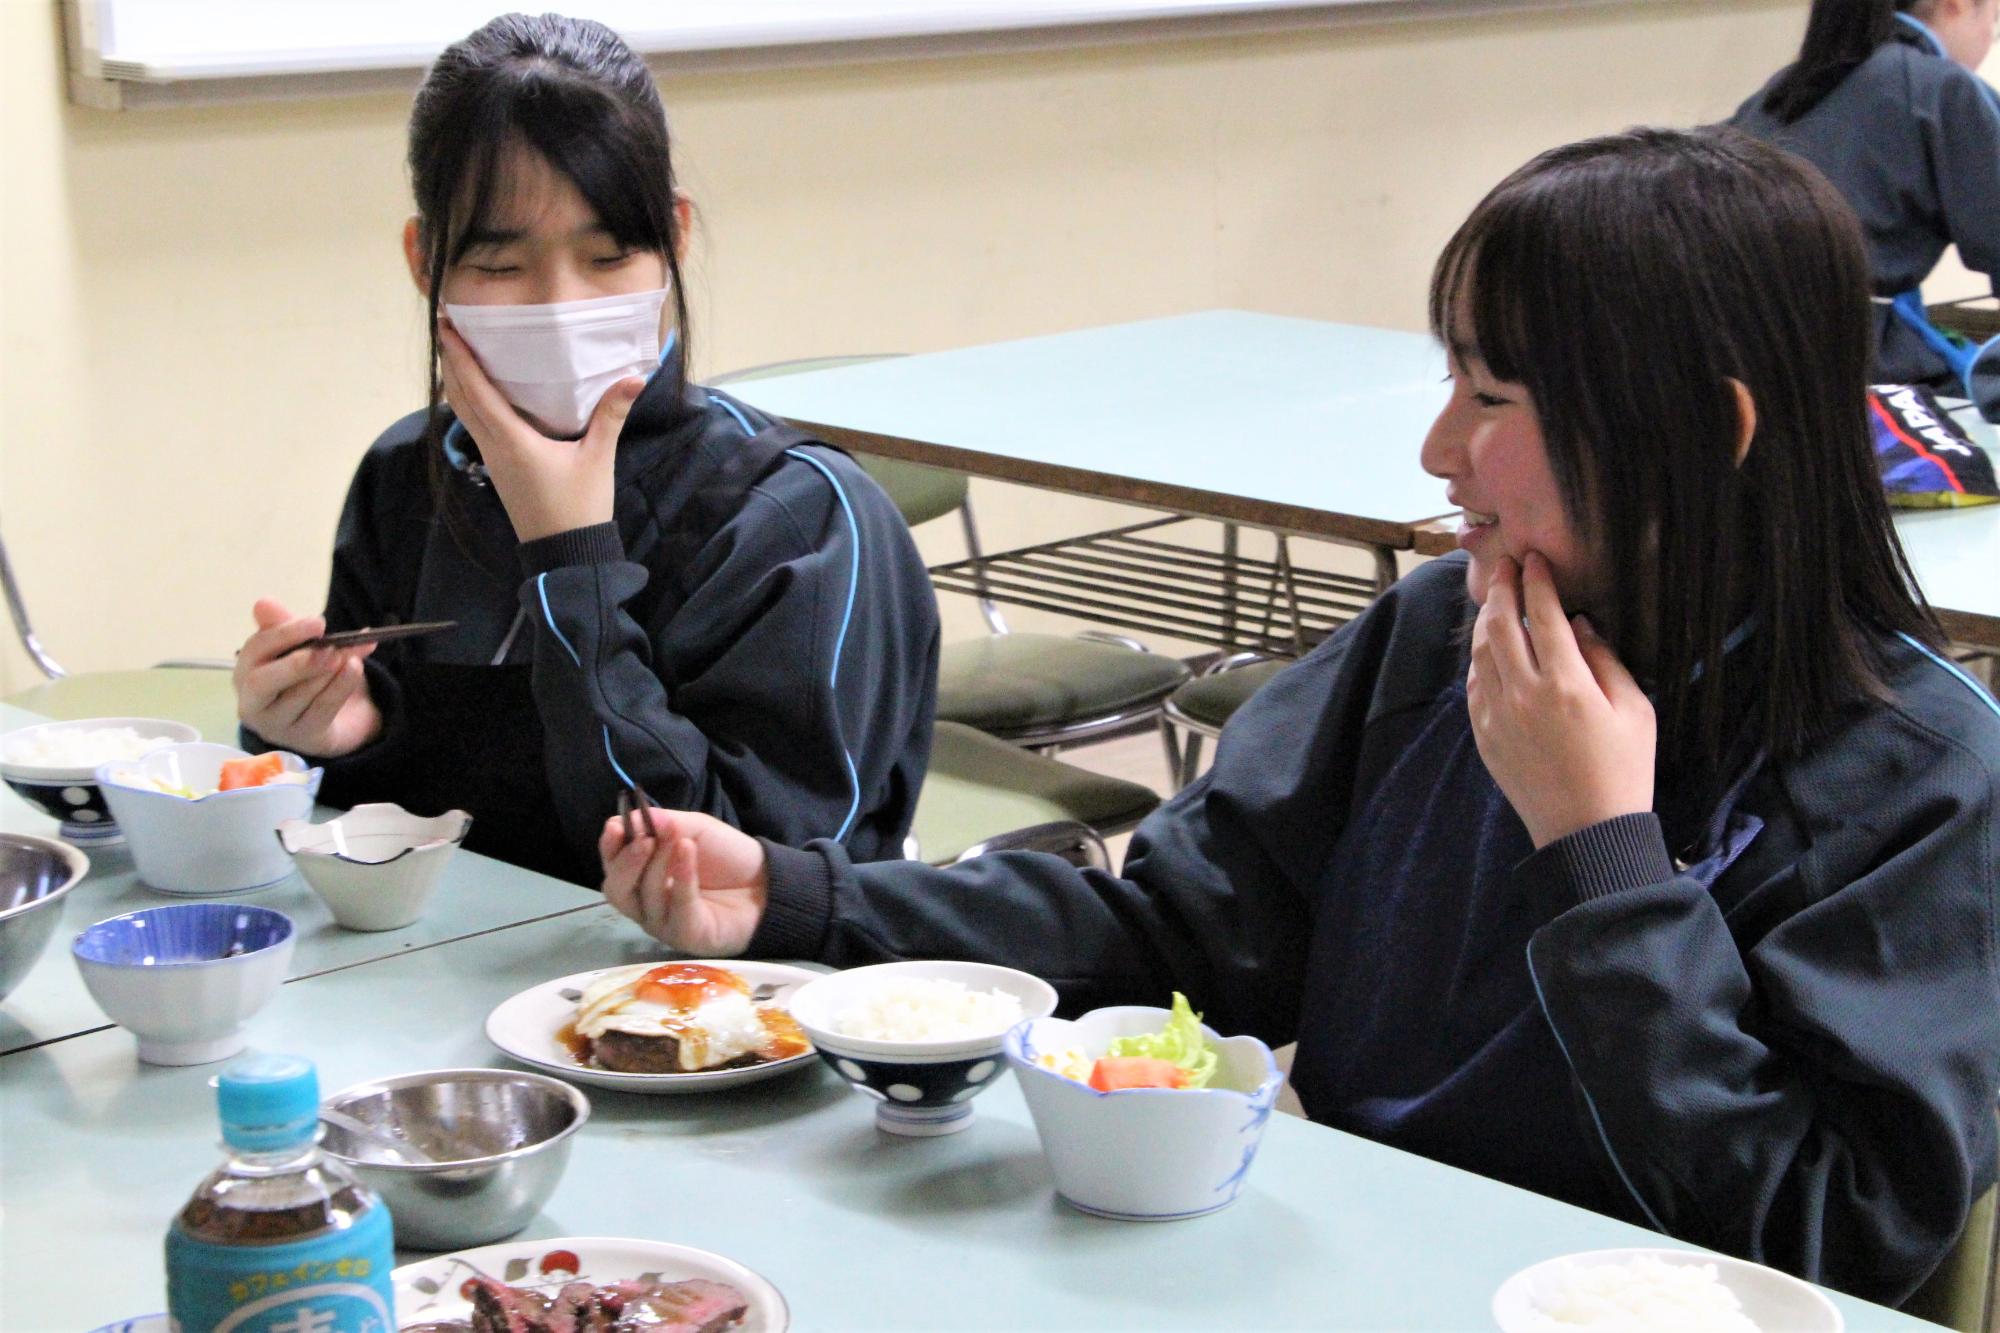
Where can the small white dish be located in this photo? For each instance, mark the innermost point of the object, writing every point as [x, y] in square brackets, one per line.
[920, 1088]
[431, 1291]
[216, 844]
[376, 866]
[1770, 1299]
[530, 1027]
[1145, 1154]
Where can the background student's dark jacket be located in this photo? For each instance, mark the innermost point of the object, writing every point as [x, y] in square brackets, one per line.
[723, 642]
[1911, 139]
[1763, 1019]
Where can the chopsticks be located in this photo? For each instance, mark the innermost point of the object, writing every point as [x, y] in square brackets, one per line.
[631, 798]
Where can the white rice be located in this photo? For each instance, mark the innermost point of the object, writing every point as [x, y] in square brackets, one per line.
[67, 747]
[924, 1009]
[1640, 1295]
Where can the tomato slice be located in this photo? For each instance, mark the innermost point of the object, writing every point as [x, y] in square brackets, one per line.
[252, 772]
[1115, 1073]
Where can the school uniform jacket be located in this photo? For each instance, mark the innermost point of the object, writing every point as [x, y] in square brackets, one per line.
[753, 636]
[1911, 139]
[1763, 1020]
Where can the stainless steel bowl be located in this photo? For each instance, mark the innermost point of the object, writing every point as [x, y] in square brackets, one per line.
[497, 1139]
[35, 873]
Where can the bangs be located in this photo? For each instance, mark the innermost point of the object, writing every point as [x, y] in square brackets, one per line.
[1484, 273]
[608, 151]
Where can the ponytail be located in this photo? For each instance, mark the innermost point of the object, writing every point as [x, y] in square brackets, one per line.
[1840, 34]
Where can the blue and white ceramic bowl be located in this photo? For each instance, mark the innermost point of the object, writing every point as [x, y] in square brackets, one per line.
[185, 978]
[1144, 1154]
[223, 842]
[70, 792]
[920, 1088]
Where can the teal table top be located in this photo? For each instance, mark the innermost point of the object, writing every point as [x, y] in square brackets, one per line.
[788, 1176]
[476, 894]
[1285, 423]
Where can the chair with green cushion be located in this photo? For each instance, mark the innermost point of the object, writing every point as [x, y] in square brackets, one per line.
[1204, 705]
[191, 692]
[1961, 1292]
[1043, 691]
[202, 697]
[979, 787]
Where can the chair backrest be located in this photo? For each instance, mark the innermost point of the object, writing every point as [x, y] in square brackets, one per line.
[1075, 843]
[18, 609]
[1961, 1292]
[919, 492]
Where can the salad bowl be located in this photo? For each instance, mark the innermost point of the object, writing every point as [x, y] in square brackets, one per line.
[187, 837]
[1144, 1154]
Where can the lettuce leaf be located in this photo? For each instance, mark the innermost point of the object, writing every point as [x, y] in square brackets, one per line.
[1180, 1041]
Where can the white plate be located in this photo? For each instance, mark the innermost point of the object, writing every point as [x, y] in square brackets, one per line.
[145, 1323]
[1770, 1299]
[429, 1290]
[525, 1028]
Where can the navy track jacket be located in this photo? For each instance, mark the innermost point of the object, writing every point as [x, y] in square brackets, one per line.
[1911, 139]
[753, 636]
[1766, 1022]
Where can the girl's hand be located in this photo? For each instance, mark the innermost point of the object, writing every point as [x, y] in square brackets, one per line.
[315, 701]
[547, 486]
[694, 883]
[1564, 729]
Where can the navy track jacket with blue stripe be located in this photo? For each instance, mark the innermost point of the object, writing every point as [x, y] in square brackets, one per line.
[753, 636]
[1762, 1018]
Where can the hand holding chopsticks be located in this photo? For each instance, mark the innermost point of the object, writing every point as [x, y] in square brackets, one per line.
[693, 882]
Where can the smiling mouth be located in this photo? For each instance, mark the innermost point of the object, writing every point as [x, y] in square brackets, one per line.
[1474, 519]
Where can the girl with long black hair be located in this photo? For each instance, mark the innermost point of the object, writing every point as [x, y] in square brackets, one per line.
[1884, 100]
[653, 585]
[1669, 888]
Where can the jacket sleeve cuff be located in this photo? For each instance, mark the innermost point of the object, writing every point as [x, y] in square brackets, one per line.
[798, 903]
[598, 544]
[1593, 862]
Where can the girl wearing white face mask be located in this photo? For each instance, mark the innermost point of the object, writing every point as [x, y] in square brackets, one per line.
[653, 585]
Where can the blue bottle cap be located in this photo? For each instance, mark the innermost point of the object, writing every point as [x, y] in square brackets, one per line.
[268, 1102]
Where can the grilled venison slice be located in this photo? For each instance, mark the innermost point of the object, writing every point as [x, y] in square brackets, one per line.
[694, 1306]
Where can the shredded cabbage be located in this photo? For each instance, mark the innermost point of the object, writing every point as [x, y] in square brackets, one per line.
[1180, 1042]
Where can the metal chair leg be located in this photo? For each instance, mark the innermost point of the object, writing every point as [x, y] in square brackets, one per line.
[1190, 761]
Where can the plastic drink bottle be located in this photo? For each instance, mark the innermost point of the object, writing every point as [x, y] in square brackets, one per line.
[279, 1238]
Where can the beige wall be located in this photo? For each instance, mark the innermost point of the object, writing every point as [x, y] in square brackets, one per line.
[205, 319]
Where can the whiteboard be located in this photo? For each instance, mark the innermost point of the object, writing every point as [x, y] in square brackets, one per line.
[168, 40]
[134, 53]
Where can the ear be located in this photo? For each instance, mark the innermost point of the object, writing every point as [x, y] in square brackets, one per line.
[1746, 418]
[683, 219]
[413, 254]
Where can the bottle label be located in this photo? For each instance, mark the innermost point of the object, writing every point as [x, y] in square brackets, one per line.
[337, 1282]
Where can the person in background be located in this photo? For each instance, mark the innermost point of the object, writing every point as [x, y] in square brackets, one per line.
[653, 584]
[1645, 852]
[1883, 99]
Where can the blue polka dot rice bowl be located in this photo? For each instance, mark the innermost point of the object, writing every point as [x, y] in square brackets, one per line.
[1144, 1154]
[53, 767]
[919, 1039]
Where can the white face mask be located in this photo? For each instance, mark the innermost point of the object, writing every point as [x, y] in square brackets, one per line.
[554, 362]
